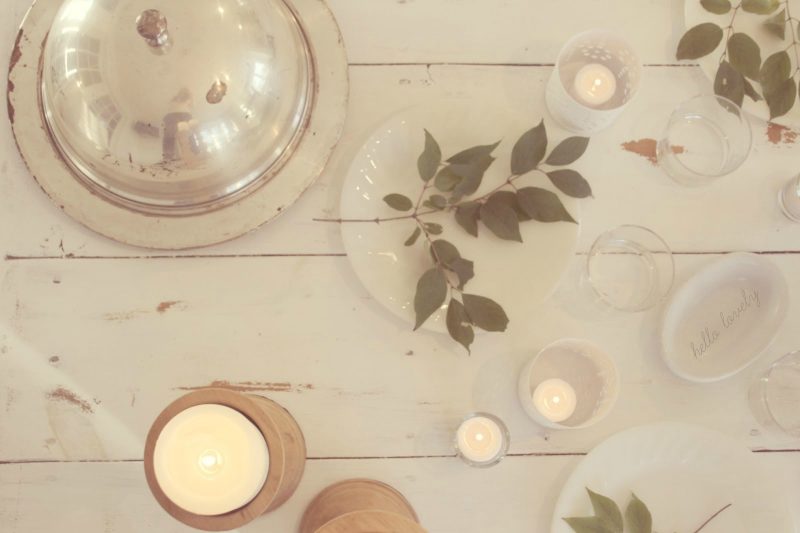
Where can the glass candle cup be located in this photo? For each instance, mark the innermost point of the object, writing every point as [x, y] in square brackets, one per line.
[789, 199]
[775, 396]
[596, 75]
[706, 137]
[482, 440]
[630, 268]
[569, 384]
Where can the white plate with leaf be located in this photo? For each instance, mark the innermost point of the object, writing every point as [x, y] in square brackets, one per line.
[754, 63]
[449, 173]
[682, 476]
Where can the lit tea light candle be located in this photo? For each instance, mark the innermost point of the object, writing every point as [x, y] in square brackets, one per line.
[595, 84]
[555, 399]
[481, 440]
[210, 459]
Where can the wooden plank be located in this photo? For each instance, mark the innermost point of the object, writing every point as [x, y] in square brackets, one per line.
[517, 496]
[738, 212]
[91, 351]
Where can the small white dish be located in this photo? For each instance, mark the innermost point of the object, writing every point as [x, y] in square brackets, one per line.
[684, 474]
[520, 277]
[723, 317]
[589, 370]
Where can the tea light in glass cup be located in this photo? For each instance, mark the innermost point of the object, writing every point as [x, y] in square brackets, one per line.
[595, 84]
[482, 440]
[569, 384]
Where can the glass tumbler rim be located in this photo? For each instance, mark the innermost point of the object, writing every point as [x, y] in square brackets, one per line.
[767, 376]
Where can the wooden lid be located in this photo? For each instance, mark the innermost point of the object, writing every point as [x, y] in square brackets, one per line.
[371, 522]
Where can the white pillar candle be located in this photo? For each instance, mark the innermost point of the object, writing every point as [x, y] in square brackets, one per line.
[595, 84]
[480, 439]
[555, 399]
[210, 460]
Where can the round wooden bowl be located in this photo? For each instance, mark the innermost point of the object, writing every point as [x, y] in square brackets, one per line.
[287, 456]
[360, 506]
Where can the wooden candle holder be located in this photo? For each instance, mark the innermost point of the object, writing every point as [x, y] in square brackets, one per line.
[360, 506]
[287, 456]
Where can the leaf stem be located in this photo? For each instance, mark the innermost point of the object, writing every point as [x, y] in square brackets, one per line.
[712, 518]
[436, 258]
[376, 220]
[729, 27]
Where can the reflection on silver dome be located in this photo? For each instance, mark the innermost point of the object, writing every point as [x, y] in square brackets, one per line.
[180, 108]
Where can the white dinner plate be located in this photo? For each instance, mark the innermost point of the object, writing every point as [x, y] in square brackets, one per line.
[723, 317]
[517, 276]
[752, 25]
[684, 474]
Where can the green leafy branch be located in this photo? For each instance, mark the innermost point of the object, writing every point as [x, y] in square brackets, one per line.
[448, 187]
[608, 518]
[740, 62]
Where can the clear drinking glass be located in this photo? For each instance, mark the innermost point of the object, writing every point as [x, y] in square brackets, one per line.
[630, 268]
[789, 199]
[707, 137]
[775, 396]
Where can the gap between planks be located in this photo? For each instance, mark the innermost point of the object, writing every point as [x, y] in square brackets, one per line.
[364, 458]
[478, 64]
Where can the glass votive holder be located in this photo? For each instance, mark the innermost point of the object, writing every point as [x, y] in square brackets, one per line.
[706, 137]
[630, 268]
[569, 384]
[789, 199]
[775, 396]
[596, 75]
[482, 440]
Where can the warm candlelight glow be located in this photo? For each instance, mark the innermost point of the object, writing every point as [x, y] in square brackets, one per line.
[480, 439]
[555, 399]
[595, 84]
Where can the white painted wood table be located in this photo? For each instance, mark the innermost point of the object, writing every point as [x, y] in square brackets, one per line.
[96, 337]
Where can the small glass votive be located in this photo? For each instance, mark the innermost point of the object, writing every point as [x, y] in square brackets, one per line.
[706, 137]
[775, 396]
[630, 268]
[596, 75]
[569, 384]
[482, 440]
[789, 199]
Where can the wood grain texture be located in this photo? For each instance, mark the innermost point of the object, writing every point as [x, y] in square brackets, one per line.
[287, 455]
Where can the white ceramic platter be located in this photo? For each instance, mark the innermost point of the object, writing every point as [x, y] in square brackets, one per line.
[518, 276]
[684, 474]
[723, 317]
[752, 25]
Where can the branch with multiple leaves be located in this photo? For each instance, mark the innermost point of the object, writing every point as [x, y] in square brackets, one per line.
[448, 186]
[608, 517]
[740, 62]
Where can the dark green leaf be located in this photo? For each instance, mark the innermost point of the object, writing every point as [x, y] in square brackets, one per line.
[543, 205]
[587, 524]
[485, 313]
[464, 269]
[529, 150]
[438, 201]
[447, 179]
[398, 201]
[433, 228]
[467, 217]
[718, 7]
[430, 159]
[458, 324]
[414, 236]
[781, 99]
[476, 153]
[431, 292]
[744, 55]
[760, 7]
[510, 199]
[570, 183]
[729, 83]
[777, 69]
[606, 510]
[750, 91]
[501, 219]
[444, 252]
[776, 25]
[472, 176]
[568, 151]
[699, 41]
[637, 517]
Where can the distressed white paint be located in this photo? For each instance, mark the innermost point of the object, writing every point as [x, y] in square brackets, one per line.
[308, 323]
